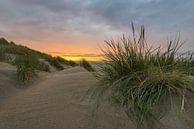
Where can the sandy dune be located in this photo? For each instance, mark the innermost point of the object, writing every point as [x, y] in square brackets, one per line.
[48, 104]
[55, 102]
[7, 80]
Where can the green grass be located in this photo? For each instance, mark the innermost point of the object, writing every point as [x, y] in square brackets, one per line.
[43, 66]
[10, 48]
[85, 64]
[2, 56]
[7, 48]
[3, 41]
[187, 64]
[26, 66]
[143, 80]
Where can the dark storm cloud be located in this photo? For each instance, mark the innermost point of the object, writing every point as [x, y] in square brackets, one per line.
[96, 17]
[156, 13]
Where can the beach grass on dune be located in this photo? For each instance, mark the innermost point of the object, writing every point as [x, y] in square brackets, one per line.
[42, 66]
[26, 66]
[85, 64]
[10, 48]
[66, 62]
[143, 80]
[55, 63]
[2, 56]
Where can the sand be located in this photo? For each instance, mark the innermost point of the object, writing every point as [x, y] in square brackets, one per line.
[55, 101]
[7, 81]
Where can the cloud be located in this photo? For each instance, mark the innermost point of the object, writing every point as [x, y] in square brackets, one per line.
[88, 22]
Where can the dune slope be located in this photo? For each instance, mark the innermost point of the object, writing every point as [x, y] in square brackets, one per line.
[55, 102]
[48, 104]
[7, 81]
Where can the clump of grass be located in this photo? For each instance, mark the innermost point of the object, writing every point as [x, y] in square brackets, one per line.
[72, 63]
[12, 48]
[55, 63]
[62, 60]
[187, 64]
[3, 41]
[141, 79]
[2, 55]
[43, 67]
[85, 64]
[66, 62]
[26, 66]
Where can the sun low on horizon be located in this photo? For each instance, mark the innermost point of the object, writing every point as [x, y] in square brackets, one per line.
[79, 58]
[76, 29]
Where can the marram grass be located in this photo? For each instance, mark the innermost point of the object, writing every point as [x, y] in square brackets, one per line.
[26, 66]
[85, 64]
[143, 80]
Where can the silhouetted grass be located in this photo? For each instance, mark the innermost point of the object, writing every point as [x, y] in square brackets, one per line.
[66, 62]
[85, 64]
[143, 80]
[72, 63]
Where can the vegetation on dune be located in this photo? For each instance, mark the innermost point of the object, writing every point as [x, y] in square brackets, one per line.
[72, 63]
[2, 55]
[26, 66]
[42, 66]
[55, 63]
[144, 81]
[25, 59]
[62, 60]
[85, 64]
[58, 61]
[3, 41]
[10, 48]
[187, 64]
[66, 62]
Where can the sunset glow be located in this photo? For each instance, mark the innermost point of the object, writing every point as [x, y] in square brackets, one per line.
[77, 27]
[78, 58]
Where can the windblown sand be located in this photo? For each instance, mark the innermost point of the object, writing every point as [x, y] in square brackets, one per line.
[56, 101]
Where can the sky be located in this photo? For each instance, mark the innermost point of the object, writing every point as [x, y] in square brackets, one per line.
[79, 27]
